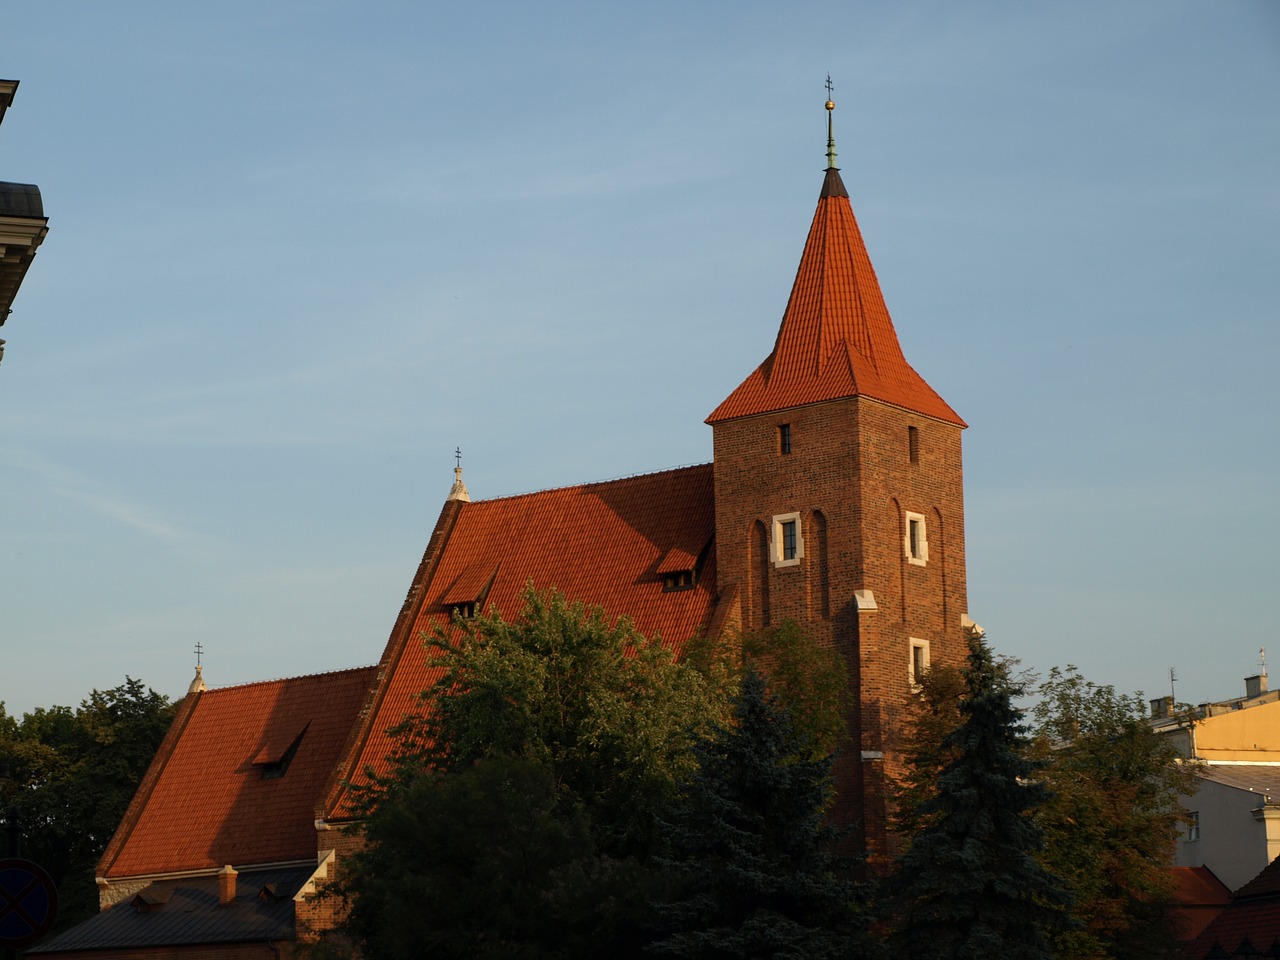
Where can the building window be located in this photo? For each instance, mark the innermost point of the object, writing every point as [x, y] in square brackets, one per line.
[788, 542]
[1193, 826]
[913, 444]
[919, 661]
[916, 542]
[462, 611]
[784, 438]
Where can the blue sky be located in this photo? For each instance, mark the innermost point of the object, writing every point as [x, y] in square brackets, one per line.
[299, 252]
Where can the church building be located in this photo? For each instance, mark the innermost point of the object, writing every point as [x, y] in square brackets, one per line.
[834, 499]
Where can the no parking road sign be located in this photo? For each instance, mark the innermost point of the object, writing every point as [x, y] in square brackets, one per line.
[28, 902]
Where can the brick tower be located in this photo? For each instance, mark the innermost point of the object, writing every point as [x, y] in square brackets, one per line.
[838, 497]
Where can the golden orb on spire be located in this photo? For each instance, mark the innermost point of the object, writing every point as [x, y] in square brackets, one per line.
[831, 104]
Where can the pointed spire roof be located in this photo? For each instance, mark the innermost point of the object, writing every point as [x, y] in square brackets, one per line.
[836, 339]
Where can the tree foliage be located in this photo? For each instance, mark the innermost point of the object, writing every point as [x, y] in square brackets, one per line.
[970, 885]
[488, 861]
[1112, 818]
[752, 871]
[809, 680]
[71, 774]
[611, 714]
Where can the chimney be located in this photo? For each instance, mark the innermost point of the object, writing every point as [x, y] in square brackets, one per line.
[1161, 708]
[1255, 686]
[227, 885]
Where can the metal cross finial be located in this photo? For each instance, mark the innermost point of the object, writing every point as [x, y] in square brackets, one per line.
[830, 87]
[457, 456]
[199, 651]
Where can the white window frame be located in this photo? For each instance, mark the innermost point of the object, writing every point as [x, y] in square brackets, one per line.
[776, 545]
[923, 647]
[1193, 826]
[920, 554]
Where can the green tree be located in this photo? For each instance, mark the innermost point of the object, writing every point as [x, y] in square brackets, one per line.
[488, 861]
[532, 784]
[752, 872]
[970, 885]
[1112, 820]
[611, 714]
[810, 681]
[72, 773]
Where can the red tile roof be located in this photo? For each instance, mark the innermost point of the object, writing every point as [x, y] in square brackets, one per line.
[204, 803]
[1199, 896]
[836, 339]
[1253, 914]
[602, 544]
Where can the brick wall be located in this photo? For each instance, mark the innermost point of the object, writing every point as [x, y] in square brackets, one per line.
[851, 479]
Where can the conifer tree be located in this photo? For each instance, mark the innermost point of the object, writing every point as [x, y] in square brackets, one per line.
[753, 875]
[969, 885]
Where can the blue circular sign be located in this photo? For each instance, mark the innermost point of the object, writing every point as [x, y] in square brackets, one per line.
[28, 902]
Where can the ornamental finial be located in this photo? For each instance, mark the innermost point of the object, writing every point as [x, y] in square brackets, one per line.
[831, 140]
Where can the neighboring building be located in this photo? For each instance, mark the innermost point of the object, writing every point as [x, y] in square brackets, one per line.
[1234, 815]
[1248, 927]
[835, 499]
[218, 846]
[23, 225]
[1199, 897]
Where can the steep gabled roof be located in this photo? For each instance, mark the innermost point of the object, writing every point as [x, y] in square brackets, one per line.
[237, 778]
[602, 544]
[836, 339]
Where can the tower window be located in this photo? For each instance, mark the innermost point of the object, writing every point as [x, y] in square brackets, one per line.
[919, 661]
[916, 543]
[913, 444]
[788, 543]
[784, 438]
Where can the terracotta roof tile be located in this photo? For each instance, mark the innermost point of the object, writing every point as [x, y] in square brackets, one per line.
[601, 544]
[1253, 914]
[836, 339]
[210, 804]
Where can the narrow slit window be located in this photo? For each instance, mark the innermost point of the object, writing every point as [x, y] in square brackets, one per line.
[913, 444]
[784, 438]
[786, 546]
[919, 662]
[916, 543]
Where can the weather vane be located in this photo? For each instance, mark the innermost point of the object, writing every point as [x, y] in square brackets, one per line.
[199, 651]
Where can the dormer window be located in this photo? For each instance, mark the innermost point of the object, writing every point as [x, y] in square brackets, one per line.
[465, 597]
[679, 568]
[272, 761]
[683, 580]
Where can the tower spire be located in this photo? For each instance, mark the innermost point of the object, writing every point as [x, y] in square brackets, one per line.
[831, 139]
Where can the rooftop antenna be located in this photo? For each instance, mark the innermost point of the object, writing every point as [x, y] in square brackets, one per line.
[1173, 678]
[1262, 661]
[831, 140]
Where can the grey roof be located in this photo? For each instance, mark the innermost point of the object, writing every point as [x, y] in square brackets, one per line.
[186, 912]
[1260, 778]
[20, 200]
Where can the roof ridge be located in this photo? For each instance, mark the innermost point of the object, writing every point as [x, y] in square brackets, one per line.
[593, 483]
[301, 676]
